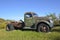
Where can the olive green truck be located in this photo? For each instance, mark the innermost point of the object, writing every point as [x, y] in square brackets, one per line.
[32, 21]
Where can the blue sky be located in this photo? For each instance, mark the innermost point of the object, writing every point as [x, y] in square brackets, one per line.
[15, 9]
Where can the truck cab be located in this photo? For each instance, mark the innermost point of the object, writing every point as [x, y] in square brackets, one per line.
[32, 21]
[29, 19]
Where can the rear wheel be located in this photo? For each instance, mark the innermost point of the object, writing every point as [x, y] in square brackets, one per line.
[43, 28]
[10, 27]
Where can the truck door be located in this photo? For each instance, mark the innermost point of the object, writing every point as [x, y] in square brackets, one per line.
[28, 19]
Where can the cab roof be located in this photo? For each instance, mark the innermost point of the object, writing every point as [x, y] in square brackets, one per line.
[30, 13]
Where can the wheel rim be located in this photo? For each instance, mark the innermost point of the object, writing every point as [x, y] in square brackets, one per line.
[44, 28]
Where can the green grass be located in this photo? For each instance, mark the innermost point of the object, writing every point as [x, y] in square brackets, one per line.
[30, 35]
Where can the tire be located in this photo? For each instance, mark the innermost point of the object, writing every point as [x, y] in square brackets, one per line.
[10, 27]
[42, 27]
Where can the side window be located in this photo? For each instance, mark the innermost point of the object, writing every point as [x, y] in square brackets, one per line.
[28, 15]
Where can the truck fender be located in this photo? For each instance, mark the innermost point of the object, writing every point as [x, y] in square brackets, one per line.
[45, 22]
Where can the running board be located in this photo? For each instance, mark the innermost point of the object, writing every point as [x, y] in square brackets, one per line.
[28, 28]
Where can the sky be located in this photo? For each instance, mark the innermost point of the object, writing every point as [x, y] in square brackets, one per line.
[15, 9]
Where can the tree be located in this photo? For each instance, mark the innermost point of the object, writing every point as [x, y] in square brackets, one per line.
[52, 15]
[54, 18]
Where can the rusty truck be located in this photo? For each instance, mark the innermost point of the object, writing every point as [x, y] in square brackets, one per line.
[32, 21]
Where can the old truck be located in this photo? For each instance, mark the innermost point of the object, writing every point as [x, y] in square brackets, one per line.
[32, 21]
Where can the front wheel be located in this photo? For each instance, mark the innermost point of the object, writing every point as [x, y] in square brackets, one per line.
[43, 28]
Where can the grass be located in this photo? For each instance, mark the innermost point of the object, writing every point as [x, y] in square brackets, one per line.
[30, 35]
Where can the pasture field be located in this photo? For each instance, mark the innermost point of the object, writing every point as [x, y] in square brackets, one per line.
[30, 35]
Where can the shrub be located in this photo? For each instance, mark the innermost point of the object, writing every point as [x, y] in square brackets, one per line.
[2, 25]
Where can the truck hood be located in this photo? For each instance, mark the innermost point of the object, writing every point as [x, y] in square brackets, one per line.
[42, 18]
